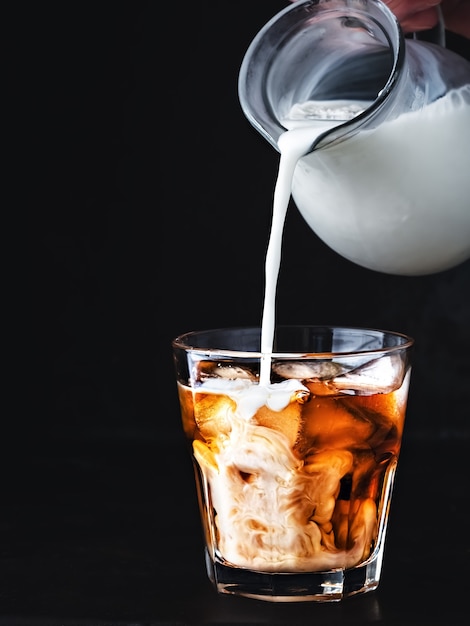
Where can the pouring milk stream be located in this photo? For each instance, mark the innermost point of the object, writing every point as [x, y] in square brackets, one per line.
[272, 498]
[293, 145]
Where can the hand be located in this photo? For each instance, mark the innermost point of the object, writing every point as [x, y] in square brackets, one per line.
[416, 15]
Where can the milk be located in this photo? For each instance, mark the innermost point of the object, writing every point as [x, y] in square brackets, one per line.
[396, 198]
[397, 195]
[292, 145]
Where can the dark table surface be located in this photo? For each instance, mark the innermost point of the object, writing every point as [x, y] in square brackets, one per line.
[150, 208]
[104, 529]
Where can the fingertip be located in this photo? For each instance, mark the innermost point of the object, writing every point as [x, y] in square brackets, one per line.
[424, 20]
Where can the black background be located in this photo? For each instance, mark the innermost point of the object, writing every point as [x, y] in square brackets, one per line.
[152, 216]
[149, 215]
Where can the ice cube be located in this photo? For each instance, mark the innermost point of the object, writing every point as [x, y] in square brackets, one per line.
[381, 375]
[330, 425]
[223, 369]
[212, 414]
[286, 421]
[307, 370]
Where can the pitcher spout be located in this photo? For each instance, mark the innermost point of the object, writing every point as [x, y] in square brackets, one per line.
[320, 62]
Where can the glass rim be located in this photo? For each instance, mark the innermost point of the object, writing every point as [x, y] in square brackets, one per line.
[185, 342]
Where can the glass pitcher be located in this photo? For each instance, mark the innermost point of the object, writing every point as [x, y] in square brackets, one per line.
[386, 181]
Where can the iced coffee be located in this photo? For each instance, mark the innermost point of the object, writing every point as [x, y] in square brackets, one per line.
[295, 476]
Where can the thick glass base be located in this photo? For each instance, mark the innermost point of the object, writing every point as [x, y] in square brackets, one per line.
[331, 586]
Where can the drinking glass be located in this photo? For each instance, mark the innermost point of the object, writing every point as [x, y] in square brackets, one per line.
[294, 473]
